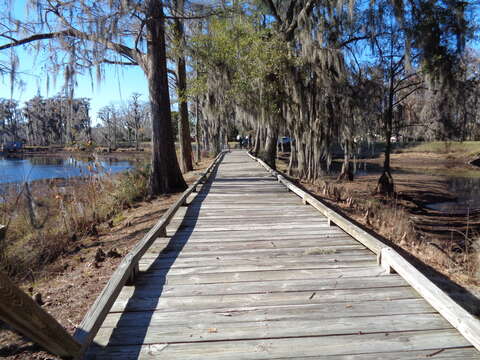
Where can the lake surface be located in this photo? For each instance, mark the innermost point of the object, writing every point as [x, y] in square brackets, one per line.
[13, 169]
[467, 191]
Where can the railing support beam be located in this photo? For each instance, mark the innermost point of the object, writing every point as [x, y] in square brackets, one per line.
[20, 311]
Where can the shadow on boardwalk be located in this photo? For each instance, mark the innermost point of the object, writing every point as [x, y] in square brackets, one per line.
[167, 258]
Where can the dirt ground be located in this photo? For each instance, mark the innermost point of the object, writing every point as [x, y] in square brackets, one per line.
[71, 284]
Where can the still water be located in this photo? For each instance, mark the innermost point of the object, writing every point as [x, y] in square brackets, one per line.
[467, 192]
[466, 189]
[13, 169]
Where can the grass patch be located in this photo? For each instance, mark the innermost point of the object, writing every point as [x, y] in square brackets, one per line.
[446, 147]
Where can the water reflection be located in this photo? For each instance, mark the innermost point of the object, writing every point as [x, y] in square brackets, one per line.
[46, 161]
[465, 188]
[467, 191]
[37, 168]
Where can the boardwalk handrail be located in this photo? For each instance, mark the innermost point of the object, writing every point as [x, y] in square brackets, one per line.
[24, 315]
[467, 324]
[18, 310]
[128, 267]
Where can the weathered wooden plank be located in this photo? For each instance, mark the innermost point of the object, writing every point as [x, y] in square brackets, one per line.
[321, 312]
[293, 347]
[464, 322]
[237, 237]
[258, 234]
[245, 215]
[244, 206]
[265, 252]
[255, 227]
[240, 199]
[228, 267]
[236, 277]
[212, 221]
[312, 261]
[225, 196]
[248, 227]
[221, 214]
[156, 301]
[206, 245]
[195, 332]
[145, 287]
[467, 353]
[353, 250]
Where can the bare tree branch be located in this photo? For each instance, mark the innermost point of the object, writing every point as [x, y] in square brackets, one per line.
[36, 37]
[407, 95]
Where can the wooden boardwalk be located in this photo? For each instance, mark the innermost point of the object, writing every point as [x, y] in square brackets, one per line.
[249, 272]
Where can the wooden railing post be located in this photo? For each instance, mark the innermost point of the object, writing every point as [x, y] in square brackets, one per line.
[19, 311]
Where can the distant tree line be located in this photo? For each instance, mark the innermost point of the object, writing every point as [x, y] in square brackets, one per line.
[62, 121]
[57, 120]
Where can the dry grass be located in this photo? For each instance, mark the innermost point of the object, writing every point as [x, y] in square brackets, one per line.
[469, 148]
[45, 220]
[459, 260]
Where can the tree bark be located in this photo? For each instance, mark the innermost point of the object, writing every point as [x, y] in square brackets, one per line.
[347, 172]
[385, 182]
[293, 162]
[166, 176]
[270, 154]
[256, 147]
[183, 124]
[197, 130]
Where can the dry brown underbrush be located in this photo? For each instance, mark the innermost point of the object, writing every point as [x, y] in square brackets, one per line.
[390, 219]
[45, 220]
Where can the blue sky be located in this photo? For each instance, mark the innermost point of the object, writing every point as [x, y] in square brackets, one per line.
[118, 85]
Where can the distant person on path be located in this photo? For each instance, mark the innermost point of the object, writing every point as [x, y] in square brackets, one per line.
[239, 139]
[245, 142]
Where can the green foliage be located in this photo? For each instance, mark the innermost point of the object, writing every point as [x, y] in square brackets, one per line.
[253, 57]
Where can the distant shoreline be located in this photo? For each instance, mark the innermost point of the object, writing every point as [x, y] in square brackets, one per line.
[133, 158]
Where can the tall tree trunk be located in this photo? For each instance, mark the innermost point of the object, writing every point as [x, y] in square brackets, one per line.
[183, 124]
[293, 163]
[270, 154]
[385, 182]
[115, 131]
[197, 130]
[166, 176]
[136, 140]
[300, 149]
[347, 172]
[215, 142]
[256, 147]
